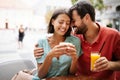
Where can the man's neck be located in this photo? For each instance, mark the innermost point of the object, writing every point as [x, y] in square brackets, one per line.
[92, 33]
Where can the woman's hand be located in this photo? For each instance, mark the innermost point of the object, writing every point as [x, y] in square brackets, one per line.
[57, 51]
[38, 52]
[70, 49]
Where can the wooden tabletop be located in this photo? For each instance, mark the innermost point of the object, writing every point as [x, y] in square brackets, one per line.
[72, 78]
[63, 78]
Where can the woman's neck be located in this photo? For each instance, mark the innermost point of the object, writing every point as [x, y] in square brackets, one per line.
[55, 40]
[58, 38]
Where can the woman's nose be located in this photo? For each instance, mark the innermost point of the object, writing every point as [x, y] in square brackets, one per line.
[64, 25]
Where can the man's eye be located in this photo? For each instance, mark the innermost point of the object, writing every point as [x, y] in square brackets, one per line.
[73, 21]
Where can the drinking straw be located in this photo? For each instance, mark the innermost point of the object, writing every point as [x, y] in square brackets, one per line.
[102, 47]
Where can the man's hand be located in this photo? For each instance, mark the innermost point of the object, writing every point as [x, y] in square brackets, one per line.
[38, 52]
[102, 64]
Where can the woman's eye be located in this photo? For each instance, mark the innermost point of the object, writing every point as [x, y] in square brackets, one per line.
[68, 23]
[61, 22]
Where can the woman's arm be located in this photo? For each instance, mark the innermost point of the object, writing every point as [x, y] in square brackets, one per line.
[73, 67]
[71, 51]
[44, 67]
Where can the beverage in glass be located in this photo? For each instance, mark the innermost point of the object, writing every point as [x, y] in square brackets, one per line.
[94, 56]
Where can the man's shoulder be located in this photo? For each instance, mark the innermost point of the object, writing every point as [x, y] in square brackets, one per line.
[110, 31]
[106, 29]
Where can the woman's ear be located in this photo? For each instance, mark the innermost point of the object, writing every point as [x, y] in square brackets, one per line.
[52, 22]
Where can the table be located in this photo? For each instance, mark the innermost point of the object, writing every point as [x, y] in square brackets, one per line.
[71, 78]
[63, 78]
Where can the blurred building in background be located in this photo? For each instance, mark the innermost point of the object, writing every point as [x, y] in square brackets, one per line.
[35, 14]
[29, 13]
[111, 14]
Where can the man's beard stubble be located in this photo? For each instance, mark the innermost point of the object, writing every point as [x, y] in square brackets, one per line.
[81, 29]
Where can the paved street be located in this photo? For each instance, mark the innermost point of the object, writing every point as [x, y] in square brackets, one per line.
[9, 45]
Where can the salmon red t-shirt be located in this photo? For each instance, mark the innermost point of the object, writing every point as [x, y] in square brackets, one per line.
[111, 50]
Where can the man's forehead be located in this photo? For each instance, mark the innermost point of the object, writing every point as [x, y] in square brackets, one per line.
[75, 14]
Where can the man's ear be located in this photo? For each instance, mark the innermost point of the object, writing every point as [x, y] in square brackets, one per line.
[86, 18]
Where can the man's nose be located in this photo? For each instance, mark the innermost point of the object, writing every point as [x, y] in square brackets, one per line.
[75, 24]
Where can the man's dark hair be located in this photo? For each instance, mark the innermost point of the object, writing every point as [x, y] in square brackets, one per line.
[83, 8]
[54, 16]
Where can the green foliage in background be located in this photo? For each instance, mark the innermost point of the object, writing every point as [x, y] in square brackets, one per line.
[73, 1]
[48, 15]
[98, 4]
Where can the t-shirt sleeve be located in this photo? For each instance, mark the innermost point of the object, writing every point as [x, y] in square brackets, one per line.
[75, 41]
[78, 47]
[40, 45]
[117, 47]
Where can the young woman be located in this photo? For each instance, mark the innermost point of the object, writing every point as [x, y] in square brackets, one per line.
[21, 36]
[55, 58]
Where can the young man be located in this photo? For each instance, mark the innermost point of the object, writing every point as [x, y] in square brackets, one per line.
[95, 36]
